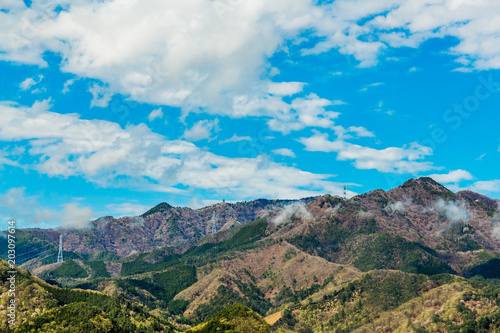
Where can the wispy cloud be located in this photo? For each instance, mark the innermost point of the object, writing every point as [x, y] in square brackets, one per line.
[155, 114]
[371, 85]
[235, 138]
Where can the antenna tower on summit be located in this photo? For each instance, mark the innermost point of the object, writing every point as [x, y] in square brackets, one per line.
[214, 224]
[345, 192]
[60, 254]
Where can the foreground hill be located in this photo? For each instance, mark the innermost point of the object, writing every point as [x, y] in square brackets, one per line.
[41, 307]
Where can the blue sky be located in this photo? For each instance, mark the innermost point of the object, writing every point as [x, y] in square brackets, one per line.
[108, 108]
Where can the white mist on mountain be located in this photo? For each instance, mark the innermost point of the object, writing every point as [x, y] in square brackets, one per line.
[75, 217]
[297, 209]
[495, 230]
[136, 221]
[395, 207]
[365, 215]
[454, 211]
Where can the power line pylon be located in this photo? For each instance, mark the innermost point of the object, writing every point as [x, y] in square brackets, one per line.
[60, 254]
[214, 224]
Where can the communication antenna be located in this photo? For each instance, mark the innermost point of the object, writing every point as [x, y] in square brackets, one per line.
[60, 254]
[214, 224]
[345, 192]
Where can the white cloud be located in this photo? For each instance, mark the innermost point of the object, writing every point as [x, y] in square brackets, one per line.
[75, 217]
[155, 114]
[285, 88]
[371, 85]
[486, 186]
[26, 209]
[235, 138]
[101, 95]
[104, 153]
[202, 130]
[407, 159]
[67, 84]
[30, 82]
[455, 176]
[296, 209]
[185, 53]
[284, 152]
[361, 132]
[309, 111]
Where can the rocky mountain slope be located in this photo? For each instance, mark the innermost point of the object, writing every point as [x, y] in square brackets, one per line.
[162, 226]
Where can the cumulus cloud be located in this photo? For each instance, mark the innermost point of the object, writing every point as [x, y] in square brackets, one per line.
[296, 209]
[101, 95]
[16, 204]
[455, 176]
[104, 153]
[360, 131]
[407, 159]
[486, 186]
[155, 114]
[202, 130]
[284, 152]
[192, 56]
[307, 111]
[30, 82]
[285, 88]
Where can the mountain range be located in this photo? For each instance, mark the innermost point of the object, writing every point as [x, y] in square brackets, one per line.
[416, 258]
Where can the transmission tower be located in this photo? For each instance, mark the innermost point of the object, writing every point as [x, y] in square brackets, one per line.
[345, 192]
[60, 254]
[214, 224]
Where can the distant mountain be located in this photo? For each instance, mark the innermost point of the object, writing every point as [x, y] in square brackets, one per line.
[161, 226]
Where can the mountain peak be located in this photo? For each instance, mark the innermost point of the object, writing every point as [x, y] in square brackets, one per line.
[162, 207]
[423, 181]
[423, 190]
